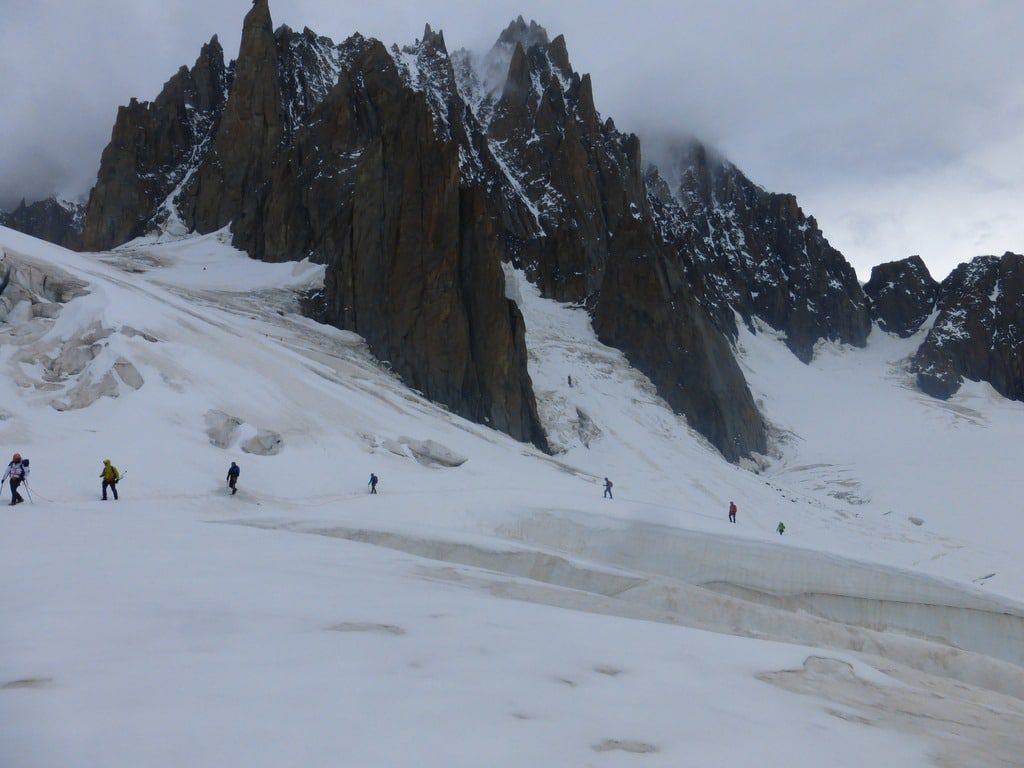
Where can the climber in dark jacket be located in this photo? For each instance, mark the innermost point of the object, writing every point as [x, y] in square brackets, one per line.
[607, 488]
[233, 472]
[373, 483]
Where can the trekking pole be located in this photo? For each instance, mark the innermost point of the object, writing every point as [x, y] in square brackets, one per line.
[29, 492]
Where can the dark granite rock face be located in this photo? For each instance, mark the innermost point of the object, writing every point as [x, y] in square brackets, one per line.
[52, 220]
[646, 309]
[755, 252]
[979, 331]
[580, 175]
[228, 185]
[153, 150]
[413, 260]
[333, 152]
[901, 295]
[593, 239]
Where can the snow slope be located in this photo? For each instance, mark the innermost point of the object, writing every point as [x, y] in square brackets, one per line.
[304, 620]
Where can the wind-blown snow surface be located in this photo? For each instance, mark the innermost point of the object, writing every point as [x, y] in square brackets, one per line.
[306, 622]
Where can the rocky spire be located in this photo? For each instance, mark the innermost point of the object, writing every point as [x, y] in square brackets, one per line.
[560, 56]
[518, 82]
[250, 132]
[151, 148]
[518, 32]
[434, 40]
[209, 76]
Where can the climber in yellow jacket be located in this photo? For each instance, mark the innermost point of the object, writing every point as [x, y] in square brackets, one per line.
[110, 477]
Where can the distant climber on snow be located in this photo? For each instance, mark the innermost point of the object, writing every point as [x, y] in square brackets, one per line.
[110, 477]
[373, 483]
[732, 511]
[607, 488]
[17, 472]
[781, 529]
[233, 472]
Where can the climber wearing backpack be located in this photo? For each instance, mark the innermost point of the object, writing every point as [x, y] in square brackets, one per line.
[732, 511]
[781, 529]
[233, 472]
[607, 488]
[110, 477]
[373, 483]
[17, 472]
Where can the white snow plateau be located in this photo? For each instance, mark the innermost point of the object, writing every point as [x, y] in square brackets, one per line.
[487, 607]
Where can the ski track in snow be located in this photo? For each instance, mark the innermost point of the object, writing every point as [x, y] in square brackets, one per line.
[184, 626]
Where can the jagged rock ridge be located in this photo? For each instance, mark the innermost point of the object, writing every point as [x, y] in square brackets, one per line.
[375, 163]
[153, 152]
[754, 252]
[979, 331]
[56, 221]
[591, 237]
[413, 174]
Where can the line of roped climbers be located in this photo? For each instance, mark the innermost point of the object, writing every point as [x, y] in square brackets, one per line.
[779, 529]
[18, 470]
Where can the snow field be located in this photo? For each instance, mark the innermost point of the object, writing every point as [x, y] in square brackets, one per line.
[153, 633]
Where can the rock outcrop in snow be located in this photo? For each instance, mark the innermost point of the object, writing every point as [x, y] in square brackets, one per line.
[901, 295]
[979, 331]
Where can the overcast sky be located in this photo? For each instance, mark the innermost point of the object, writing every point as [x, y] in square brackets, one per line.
[898, 125]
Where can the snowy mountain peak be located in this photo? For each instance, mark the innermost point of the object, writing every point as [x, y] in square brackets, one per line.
[755, 253]
[518, 32]
[902, 295]
[979, 330]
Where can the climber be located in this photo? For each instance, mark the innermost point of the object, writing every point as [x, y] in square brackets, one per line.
[233, 472]
[732, 511]
[110, 477]
[373, 483]
[781, 529]
[17, 471]
[607, 488]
